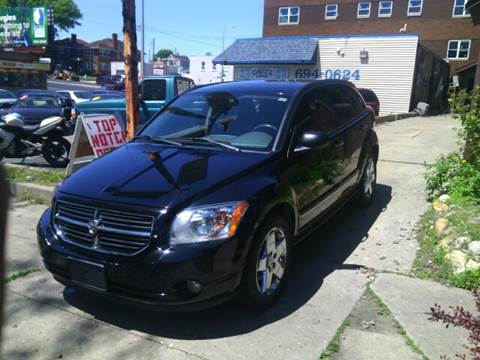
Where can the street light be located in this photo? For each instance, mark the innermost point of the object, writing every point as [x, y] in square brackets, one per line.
[222, 75]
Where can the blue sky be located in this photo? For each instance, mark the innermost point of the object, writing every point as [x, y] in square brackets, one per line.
[192, 26]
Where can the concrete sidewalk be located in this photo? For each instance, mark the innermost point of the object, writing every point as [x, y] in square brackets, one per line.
[328, 284]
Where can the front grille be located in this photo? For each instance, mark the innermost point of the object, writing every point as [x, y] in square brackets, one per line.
[102, 230]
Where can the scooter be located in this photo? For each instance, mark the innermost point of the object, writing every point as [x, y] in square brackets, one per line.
[20, 141]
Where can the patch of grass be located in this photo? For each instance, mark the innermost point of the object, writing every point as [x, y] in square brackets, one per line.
[334, 345]
[469, 279]
[31, 198]
[408, 341]
[382, 307]
[430, 263]
[41, 177]
[20, 274]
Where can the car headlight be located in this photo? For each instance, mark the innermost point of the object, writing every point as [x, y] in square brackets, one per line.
[207, 223]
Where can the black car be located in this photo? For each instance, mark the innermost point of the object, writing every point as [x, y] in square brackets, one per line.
[108, 79]
[36, 105]
[207, 201]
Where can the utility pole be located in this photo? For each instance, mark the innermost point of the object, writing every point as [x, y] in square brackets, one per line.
[130, 54]
[153, 49]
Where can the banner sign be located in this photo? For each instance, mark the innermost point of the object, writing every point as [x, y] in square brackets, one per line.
[262, 73]
[23, 26]
[104, 133]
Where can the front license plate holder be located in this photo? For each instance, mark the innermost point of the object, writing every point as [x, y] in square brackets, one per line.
[88, 274]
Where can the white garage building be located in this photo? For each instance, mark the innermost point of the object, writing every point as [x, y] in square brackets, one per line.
[395, 66]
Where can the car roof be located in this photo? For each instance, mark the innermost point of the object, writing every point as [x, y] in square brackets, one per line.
[267, 86]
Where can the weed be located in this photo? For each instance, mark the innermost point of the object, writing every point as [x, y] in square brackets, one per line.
[334, 345]
[20, 274]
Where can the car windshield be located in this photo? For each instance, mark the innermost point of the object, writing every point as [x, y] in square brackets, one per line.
[239, 120]
[37, 101]
[83, 94]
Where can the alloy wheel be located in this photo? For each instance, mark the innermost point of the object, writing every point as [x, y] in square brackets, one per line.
[271, 261]
[370, 177]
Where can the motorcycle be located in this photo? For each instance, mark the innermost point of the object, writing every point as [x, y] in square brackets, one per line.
[20, 141]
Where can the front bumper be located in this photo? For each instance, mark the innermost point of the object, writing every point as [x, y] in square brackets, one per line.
[155, 277]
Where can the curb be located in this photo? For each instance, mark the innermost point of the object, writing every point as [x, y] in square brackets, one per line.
[394, 117]
[43, 191]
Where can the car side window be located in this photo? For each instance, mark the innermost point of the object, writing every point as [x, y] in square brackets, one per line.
[354, 98]
[319, 110]
[183, 85]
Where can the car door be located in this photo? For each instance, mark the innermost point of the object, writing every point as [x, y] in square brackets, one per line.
[357, 125]
[317, 172]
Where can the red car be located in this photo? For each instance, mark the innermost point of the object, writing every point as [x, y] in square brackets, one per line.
[371, 99]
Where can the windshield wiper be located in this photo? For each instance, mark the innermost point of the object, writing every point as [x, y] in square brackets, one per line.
[157, 140]
[211, 141]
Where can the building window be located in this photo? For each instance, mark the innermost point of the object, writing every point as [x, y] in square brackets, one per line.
[385, 8]
[415, 7]
[289, 15]
[331, 11]
[214, 67]
[460, 9]
[458, 49]
[203, 65]
[363, 10]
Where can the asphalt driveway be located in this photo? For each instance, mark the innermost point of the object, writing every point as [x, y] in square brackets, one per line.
[331, 271]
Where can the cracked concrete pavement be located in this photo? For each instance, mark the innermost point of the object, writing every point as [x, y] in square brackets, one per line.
[46, 321]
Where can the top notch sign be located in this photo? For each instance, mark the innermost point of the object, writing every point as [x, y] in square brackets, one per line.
[104, 133]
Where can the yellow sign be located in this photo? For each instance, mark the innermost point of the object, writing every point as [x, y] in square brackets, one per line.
[23, 65]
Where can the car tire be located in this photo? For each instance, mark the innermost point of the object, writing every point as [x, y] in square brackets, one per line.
[268, 263]
[56, 150]
[368, 181]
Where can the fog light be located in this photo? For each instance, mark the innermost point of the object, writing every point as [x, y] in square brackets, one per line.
[194, 286]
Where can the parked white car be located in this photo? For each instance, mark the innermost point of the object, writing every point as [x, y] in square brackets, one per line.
[76, 95]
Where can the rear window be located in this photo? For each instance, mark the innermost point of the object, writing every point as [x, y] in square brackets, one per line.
[83, 94]
[368, 95]
[154, 89]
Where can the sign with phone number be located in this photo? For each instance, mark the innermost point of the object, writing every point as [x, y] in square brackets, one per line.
[337, 74]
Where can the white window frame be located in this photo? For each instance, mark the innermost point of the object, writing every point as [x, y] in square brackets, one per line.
[369, 9]
[380, 8]
[465, 14]
[289, 15]
[336, 11]
[459, 41]
[409, 13]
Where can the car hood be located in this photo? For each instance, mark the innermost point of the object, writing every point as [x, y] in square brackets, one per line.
[109, 103]
[36, 112]
[146, 174]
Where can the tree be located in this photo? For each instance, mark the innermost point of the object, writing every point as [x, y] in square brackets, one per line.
[163, 53]
[66, 12]
[208, 53]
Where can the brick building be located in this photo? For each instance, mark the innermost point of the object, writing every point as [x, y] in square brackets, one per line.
[444, 26]
[87, 58]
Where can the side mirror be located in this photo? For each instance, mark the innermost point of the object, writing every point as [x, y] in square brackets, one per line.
[311, 140]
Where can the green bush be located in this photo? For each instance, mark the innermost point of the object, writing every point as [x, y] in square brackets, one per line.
[453, 175]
